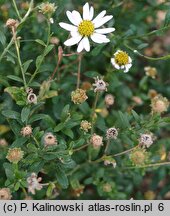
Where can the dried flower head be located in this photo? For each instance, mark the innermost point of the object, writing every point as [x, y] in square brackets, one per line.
[14, 155]
[85, 125]
[12, 23]
[151, 71]
[86, 86]
[47, 8]
[5, 194]
[3, 142]
[32, 98]
[112, 133]
[137, 100]
[96, 141]
[33, 183]
[107, 187]
[122, 60]
[146, 140]
[49, 139]
[78, 191]
[29, 90]
[159, 104]
[139, 156]
[152, 93]
[100, 85]
[26, 131]
[109, 100]
[78, 96]
[54, 40]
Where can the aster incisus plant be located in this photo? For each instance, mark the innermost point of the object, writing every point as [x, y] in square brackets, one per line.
[76, 125]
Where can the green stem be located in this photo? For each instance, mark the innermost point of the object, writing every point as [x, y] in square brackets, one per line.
[147, 57]
[149, 165]
[81, 147]
[19, 58]
[6, 49]
[43, 55]
[16, 9]
[107, 146]
[79, 70]
[93, 112]
[148, 34]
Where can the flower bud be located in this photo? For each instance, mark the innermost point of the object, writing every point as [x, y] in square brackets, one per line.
[100, 85]
[112, 133]
[32, 98]
[3, 143]
[151, 72]
[146, 140]
[85, 125]
[47, 8]
[159, 104]
[109, 100]
[26, 131]
[49, 139]
[12, 23]
[96, 141]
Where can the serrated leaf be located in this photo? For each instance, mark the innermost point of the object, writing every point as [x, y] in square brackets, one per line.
[61, 176]
[25, 114]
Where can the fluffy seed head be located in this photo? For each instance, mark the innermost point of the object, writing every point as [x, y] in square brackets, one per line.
[85, 125]
[5, 194]
[26, 131]
[14, 155]
[112, 133]
[109, 100]
[100, 85]
[159, 104]
[78, 96]
[96, 141]
[49, 139]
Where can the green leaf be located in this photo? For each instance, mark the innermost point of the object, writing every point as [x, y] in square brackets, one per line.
[19, 142]
[15, 127]
[48, 49]
[124, 121]
[17, 186]
[61, 176]
[16, 78]
[2, 38]
[36, 117]
[8, 171]
[92, 74]
[167, 18]
[142, 46]
[39, 59]
[40, 42]
[136, 116]
[50, 188]
[11, 114]
[37, 166]
[59, 127]
[97, 50]
[50, 156]
[26, 65]
[25, 114]
[65, 113]
[68, 132]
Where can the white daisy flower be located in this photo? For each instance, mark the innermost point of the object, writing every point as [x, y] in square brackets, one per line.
[86, 27]
[122, 61]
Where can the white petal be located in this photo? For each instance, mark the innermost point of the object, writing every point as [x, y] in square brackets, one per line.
[80, 46]
[114, 63]
[75, 34]
[99, 38]
[68, 27]
[86, 44]
[72, 18]
[102, 21]
[72, 41]
[86, 12]
[105, 30]
[130, 60]
[77, 16]
[99, 16]
[91, 13]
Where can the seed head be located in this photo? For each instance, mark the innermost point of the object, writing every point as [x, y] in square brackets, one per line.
[49, 139]
[5, 194]
[139, 156]
[14, 155]
[26, 131]
[96, 141]
[32, 98]
[85, 125]
[146, 140]
[112, 133]
[47, 8]
[78, 96]
[100, 85]
[12, 23]
[151, 72]
[33, 183]
[159, 104]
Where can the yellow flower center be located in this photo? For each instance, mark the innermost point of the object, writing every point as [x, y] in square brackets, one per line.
[86, 28]
[122, 58]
